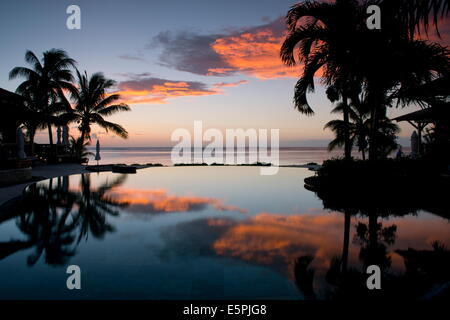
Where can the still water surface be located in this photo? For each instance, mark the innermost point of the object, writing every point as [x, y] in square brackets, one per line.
[190, 233]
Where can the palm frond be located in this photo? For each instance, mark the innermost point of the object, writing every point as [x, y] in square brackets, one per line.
[114, 127]
[112, 109]
[32, 59]
[22, 72]
[318, 11]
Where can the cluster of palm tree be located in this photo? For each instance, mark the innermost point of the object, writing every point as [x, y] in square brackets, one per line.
[365, 71]
[359, 130]
[53, 97]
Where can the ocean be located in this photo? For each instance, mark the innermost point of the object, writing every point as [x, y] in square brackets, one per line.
[144, 155]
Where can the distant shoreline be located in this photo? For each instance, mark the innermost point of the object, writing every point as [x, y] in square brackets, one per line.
[287, 155]
[92, 147]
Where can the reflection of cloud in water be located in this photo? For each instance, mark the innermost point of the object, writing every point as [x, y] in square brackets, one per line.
[417, 232]
[160, 201]
[273, 240]
[276, 240]
[193, 238]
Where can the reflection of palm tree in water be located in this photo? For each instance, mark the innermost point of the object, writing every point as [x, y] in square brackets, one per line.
[374, 240]
[52, 215]
[425, 275]
[47, 223]
[343, 280]
[349, 282]
[94, 206]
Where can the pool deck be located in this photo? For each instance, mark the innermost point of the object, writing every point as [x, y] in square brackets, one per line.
[45, 171]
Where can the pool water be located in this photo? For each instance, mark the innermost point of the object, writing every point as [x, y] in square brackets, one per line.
[196, 233]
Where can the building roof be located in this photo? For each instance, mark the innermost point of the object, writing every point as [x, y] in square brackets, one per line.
[8, 96]
[424, 115]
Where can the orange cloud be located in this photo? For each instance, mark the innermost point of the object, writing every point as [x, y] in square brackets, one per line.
[159, 201]
[155, 90]
[252, 50]
[230, 84]
[219, 71]
[255, 53]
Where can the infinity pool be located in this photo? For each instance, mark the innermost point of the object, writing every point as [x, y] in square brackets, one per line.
[196, 233]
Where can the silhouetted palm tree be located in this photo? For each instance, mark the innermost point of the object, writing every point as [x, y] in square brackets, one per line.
[79, 149]
[391, 67]
[35, 120]
[43, 87]
[359, 128]
[324, 33]
[356, 126]
[392, 60]
[413, 16]
[334, 38]
[92, 103]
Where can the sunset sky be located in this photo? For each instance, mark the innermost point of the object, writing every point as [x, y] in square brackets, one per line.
[176, 62]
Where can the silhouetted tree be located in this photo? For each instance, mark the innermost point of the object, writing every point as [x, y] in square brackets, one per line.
[43, 88]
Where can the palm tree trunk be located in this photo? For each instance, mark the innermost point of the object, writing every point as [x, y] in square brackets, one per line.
[378, 110]
[347, 146]
[373, 145]
[50, 135]
[81, 143]
[50, 139]
[31, 133]
[346, 241]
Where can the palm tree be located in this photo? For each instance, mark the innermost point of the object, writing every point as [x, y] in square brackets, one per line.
[44, 85]
[393, 61]
[356, 127]
[359, 127]
[79, 148]
[392, 66]
[383, 64]
[413, 16]
[92, 103]
[324, 33]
